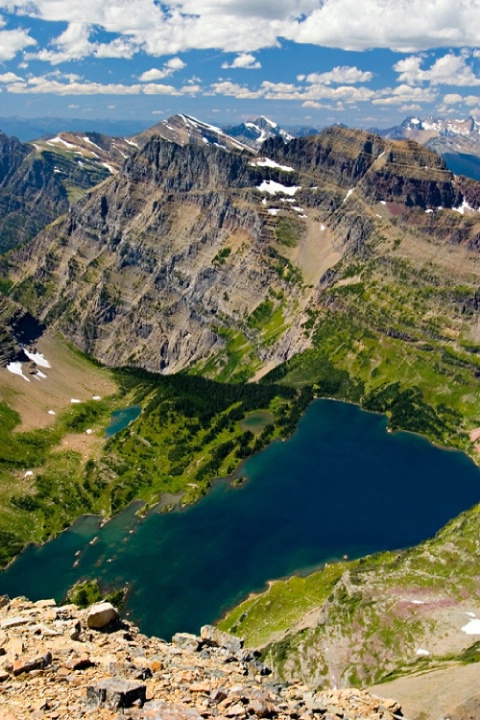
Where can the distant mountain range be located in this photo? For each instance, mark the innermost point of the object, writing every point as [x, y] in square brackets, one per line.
[457, 141]
[27, 129]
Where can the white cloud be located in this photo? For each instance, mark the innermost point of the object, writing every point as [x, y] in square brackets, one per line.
[70, 84]
[398, 25]
[226, 87]
[450, 69]
[410, 108]
[244, 26]
[245, 61]
[452, 99]
[457, 99]
[404, 94]
[168, 69]
[289, 91]
[9, 77]
[346, 75]
[72, 44]
[12, 41]
[158, 89]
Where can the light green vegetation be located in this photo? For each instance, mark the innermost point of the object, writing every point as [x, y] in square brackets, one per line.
[43, 486]
[86, 592]
[238, 362]
[403, 337]
[288, 231]
[364, 609]
[281, 606]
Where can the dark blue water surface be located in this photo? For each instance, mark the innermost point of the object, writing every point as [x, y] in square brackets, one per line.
[340, 485]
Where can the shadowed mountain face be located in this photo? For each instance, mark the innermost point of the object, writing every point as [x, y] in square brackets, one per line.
[196, 255]
[30, 194]
[38, 182]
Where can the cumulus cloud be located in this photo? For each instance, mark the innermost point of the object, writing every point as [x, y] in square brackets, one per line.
[71, 84]
[12, 42]
[168, 69]
[403, 94]
[339, 75]
[452, 99]
[245, 61]
[457, 99]
[450, 69]
[399, 25]
[9, 77]
[178, 25]
[289, 91]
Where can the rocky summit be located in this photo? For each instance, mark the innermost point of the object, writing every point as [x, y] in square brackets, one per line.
[61, 662]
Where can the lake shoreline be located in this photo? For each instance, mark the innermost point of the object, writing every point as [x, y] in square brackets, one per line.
[216, 552]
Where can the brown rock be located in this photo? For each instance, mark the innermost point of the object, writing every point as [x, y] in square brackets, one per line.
[100, 615]
[25, 665]
[79, 663]
[201, 687]
[160, 710]
[116, 693]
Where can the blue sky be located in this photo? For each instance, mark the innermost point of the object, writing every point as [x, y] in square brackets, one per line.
[312, 62]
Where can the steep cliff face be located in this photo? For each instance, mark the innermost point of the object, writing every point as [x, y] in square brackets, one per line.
[30, 195]
[161, 262]
[196, 256]
[17, 327]
[404, 172]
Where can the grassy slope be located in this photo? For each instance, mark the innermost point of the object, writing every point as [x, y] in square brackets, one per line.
[363, 610]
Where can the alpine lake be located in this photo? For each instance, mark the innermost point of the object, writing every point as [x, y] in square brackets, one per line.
[340, 486]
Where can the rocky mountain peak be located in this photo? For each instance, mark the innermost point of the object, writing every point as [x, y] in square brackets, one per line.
[184, 129]
[386, 170]
[255, 132]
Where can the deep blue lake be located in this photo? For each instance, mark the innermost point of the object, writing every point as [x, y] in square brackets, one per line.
[340, 486]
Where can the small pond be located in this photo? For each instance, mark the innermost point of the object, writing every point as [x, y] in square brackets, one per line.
[122, 418]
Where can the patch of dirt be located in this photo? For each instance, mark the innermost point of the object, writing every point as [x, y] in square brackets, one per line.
[86, 445]
[435, 694]
[70, 376]
[316, 252]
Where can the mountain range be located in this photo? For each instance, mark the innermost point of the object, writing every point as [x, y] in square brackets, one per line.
[341, 264]
[457, 141]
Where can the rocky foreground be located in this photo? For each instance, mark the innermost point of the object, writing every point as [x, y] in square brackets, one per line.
[63, 662]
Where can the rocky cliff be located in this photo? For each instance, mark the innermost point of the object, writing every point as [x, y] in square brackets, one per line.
[39, 181]
[17, 327]
[403, 172]
[201, 255]
[61, 662]
[30, 194]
